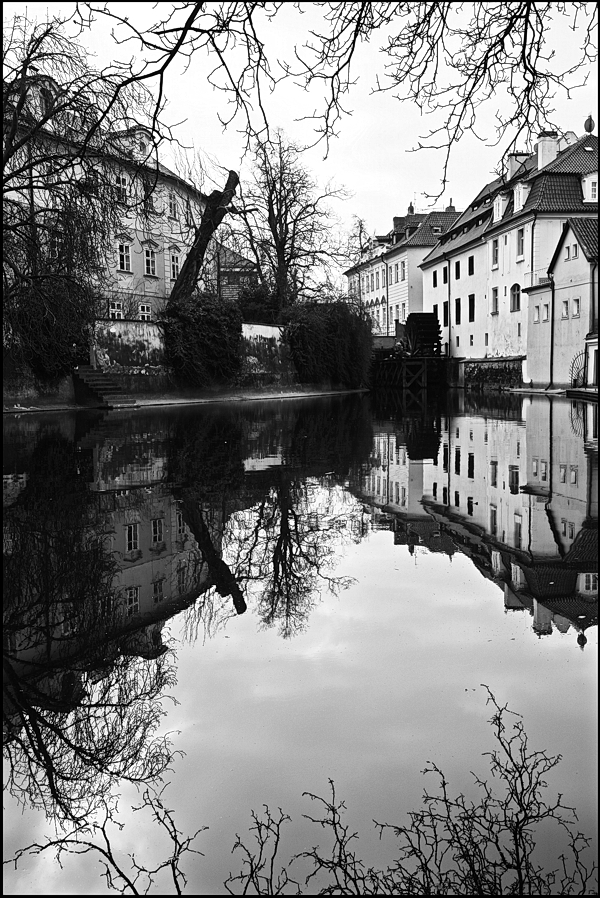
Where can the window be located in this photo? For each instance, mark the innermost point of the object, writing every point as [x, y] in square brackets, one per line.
[133, 599]
[515, 298]
[435, 312]
[457, 270]
[145, 311]
[457, 499]
[493, 520]
[591, 583]
[403, 311]
[576, 306]
[494, 300]
[174, 266]
[396, 273]
[445, 495]
[563, 473]
[446, 314]
[574, 473]
[594, 191]
[158, 529]
[471, 340]
[457, 342]
[486, 339]
[545, 311]
[389, 274]
[397, 313]
[180, 524]
[402, 271]
[518, 449]
[520, 243]
[471, 264]
[172, 204]
[115, 309]
[571, 530]
[544, 471]
[574, 251]
[536, 314]
[124, 257]
[157, 591]
[471, 466]
[564, 526]
[377, 280]
[132, 537]
[434, 279]
[150, 255]
[567, 253]
[519, 329]
[565, 308]
[122, 188]
[471, 307]
[445, 458]
[457, 311]
[148, 197]
[383, 270]
[445, 274]
[518, 531]
[470, 506]
[372, 281]
[495, 253]
[513, 479]
[534, 467]
[457, 461]
[181, 580]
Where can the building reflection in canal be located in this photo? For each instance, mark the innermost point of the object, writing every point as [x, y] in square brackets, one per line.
[512, 485]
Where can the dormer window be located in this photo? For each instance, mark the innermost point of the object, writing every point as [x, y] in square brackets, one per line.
[500, 203]
[520, 194]
[590, 188]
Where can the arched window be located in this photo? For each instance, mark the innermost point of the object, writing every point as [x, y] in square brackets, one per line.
[515, 298]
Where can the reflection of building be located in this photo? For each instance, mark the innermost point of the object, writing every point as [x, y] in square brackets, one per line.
[517, 493]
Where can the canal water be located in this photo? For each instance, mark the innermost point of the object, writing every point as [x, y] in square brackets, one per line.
[292, 592]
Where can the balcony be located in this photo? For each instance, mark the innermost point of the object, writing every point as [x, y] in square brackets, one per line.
[536, 278]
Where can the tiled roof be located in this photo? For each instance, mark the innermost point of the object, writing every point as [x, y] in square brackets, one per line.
[424, 235]
[586, 231]
[585, 547]
[546, 581]
[230, 259]
[558, 193]
[451, 246]
[576, 159]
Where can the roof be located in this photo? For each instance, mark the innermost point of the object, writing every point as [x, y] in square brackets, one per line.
[581, 158]
[586, 231]
[230, 259]
[437, 254]
[424, 235]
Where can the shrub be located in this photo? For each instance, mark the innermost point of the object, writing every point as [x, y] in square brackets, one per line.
[330, 343]
[203, 339]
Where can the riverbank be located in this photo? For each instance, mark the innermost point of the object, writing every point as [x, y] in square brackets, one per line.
[167, 399]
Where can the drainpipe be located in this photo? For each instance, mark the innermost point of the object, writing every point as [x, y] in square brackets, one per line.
[551, 384]
[532, 270]
[591, 318]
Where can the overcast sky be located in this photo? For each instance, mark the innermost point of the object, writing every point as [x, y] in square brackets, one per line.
[371, 157]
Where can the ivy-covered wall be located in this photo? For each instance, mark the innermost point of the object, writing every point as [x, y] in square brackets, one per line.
[492, 374]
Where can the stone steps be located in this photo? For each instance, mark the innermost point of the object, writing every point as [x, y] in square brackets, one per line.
[102, 386]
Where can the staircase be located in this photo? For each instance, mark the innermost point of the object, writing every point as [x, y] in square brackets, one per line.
[95, 384]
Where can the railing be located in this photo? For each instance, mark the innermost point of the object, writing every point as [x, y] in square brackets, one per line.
[536, 278]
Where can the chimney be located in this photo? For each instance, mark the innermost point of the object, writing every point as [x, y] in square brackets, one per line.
[411, 209]
[450, 208]
[547, 148]
[513, 164]
[567, 140]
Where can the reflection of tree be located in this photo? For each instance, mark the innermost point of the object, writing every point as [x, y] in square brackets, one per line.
[78, 713]
[288, 543]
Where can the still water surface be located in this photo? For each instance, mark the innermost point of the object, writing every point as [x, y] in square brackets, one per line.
[320, 586]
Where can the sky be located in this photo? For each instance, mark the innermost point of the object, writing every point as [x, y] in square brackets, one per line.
[371, 158]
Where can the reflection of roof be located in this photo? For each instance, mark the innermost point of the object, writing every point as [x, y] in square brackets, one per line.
[582, 613]
[546, 581]
[585, 549]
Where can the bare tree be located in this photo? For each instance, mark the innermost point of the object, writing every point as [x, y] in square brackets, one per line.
[289, 225]
[443, 56]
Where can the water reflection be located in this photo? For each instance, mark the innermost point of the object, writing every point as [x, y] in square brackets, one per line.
[115, 523]
[514, 487]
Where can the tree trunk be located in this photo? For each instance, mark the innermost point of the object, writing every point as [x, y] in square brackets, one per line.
[216, 209]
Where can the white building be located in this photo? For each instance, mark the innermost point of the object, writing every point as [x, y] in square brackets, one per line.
[503, 243]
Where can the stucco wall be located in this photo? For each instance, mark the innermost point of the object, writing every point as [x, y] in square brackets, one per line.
[128, 344]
